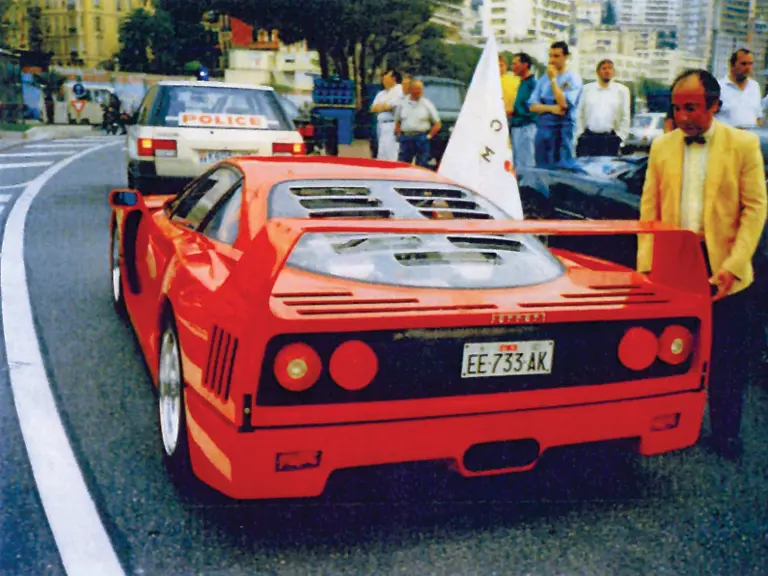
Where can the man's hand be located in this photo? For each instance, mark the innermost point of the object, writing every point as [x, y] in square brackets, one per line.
[551, 72]
[558, 110]
[723, 280]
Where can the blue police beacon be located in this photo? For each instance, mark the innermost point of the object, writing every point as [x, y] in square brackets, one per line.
[202, 73]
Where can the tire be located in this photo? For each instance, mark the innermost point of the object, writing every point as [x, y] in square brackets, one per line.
[174, 441]
[116, 273]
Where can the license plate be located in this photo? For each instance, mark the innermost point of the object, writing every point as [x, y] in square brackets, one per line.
[484, 359]
[211, 156]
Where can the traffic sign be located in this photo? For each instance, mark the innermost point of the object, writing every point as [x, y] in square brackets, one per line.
[78, 90]
[78, 105]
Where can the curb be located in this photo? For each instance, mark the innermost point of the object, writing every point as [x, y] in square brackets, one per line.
[38, 133]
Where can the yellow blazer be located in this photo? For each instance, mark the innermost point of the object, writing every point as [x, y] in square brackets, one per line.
[734, 198]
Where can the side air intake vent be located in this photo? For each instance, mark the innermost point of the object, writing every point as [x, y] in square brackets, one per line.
[221, 358]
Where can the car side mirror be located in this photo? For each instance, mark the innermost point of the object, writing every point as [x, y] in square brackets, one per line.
[123, 198]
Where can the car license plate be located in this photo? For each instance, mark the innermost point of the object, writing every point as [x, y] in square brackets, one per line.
[211, 156]
[484, 359]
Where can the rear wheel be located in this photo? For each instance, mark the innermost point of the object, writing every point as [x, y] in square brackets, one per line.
[171, 405]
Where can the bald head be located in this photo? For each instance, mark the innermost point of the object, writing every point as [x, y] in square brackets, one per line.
[417, 89]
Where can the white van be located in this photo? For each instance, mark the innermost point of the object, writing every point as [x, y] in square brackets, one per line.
[97, 94]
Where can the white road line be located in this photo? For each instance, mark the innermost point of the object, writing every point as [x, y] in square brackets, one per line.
[24, 165]
[35, 154]
[22, 185]
[52, 146]
[5, 197]
[82, 541]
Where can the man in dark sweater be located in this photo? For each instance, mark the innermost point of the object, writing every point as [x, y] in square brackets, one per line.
[522, 122]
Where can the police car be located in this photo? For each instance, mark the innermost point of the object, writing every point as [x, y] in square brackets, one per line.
[182, 128]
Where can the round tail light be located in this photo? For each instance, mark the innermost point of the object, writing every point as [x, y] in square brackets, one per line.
[353, 365]
[675, 345]
[297, 367]
[638, 348]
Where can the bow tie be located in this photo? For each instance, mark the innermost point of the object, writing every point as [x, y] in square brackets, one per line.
[695, 140]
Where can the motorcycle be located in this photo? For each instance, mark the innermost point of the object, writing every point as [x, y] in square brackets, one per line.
[111, 122]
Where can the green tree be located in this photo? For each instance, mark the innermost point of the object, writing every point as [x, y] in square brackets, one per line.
[136, 35]
[35, 32]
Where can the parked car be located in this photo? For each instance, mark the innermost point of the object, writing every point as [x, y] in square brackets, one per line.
[300, 316]
[643, 129]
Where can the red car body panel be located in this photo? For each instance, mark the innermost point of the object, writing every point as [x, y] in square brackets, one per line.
[234, 300]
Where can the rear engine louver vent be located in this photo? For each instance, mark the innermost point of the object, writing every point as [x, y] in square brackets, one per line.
[436, 203]
[340, 202]
[221, 359]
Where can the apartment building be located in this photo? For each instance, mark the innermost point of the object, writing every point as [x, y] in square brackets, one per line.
[457, 19]
[510, 20]
[634, 55]
[655, 15]
[589, 12]
[714, 29]
[82, 32]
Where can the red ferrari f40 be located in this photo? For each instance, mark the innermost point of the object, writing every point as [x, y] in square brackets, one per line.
[305, 315]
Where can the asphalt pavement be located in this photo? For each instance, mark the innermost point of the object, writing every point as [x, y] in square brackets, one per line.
[592, 510]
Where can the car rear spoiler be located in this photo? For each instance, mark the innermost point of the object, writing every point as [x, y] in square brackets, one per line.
[678, 261]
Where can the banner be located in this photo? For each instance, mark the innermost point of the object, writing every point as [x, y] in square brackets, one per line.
[479, 151]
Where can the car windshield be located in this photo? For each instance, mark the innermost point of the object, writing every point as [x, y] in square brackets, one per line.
[462, 260]
[290, 109]
[444, 96]
[220, 107]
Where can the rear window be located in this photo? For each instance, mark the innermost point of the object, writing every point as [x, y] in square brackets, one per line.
[427, 260]
[219, 107]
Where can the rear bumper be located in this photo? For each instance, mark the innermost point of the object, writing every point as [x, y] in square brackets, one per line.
[149, 182]
[244, 465]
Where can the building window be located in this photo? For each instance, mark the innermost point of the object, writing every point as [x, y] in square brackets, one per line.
[118, 7]
[97, 23]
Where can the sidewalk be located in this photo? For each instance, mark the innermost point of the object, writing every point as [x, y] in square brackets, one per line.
[44, 132]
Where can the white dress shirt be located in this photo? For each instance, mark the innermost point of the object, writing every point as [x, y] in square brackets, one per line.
[741, 107]
[694, 178]
[391, 98]
[604, 109]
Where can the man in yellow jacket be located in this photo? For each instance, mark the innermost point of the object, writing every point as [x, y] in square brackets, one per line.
[707, 177]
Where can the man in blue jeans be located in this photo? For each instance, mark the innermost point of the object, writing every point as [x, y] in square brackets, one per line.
[556, 99]
[416, 123]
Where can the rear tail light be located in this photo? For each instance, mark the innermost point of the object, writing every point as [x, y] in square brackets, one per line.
[149, 147]
[638, 348]
[354, 365]
[675, 345]
[297, 367]
[289, 149]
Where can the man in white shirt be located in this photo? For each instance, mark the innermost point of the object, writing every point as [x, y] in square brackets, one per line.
[416, 123]
[740, 94]
[384, 106]
[602, 122]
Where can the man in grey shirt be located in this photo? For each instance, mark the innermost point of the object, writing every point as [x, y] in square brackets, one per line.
[416, 123]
